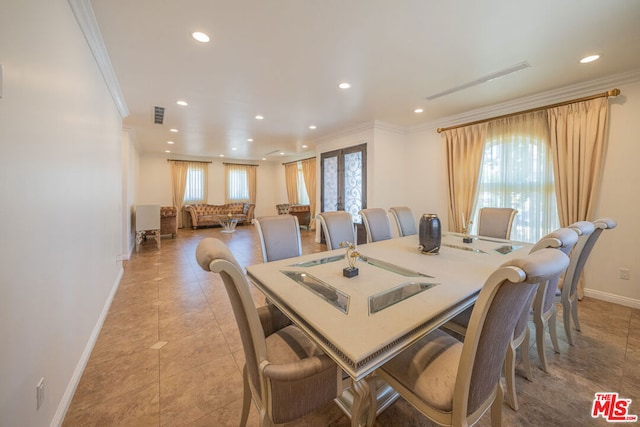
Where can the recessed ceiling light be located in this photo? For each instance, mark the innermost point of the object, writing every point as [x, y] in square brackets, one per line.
[305, 146]
[589, 58]
[344, 85]
[249, 139]
[173, 130]
[282, 153]
[221, 155]
[264, 158]
[170, 142]
[233, 149]
[167, 151]
[418, 110]
[312, 127]
[183, 103]
[259, 117]
[201, 37]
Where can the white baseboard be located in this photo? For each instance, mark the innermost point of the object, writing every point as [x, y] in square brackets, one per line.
[616, 299]
[58, 418]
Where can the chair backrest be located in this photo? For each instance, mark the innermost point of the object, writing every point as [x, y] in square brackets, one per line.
[563, 239]
[376, 223]
[283, 208]
[213, 255]
[404, 220]
[337, 228]
[589, 234]
[496, 222]
[279, 237]
[496, 311]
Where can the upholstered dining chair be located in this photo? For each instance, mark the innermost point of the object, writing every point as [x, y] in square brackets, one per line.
[544, 311]
[544, 308]
[337, 227]
[285, 372]
[376, 223]
[455, 383]
[279, 237]
[589, 234]
[496, 222]
[404, 220]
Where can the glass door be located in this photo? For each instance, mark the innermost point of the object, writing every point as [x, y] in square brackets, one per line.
[344, 182]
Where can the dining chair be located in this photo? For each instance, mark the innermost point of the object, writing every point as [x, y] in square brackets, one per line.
[496, 222]
[376, 224]
[337, 227]
[544, 308]
[279, 237]
[568, 294]
[454, 383]
[543, 311]
[404, 220]
[285, 372]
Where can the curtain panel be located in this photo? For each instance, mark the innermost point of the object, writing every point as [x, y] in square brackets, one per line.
[291, 181]
[178, 185]
[309, 172]
[578, 144]
[464, 147]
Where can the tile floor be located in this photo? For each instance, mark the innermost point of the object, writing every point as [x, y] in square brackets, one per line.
[169, 353]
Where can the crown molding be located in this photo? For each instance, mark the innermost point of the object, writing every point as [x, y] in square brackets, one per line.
[89, 26]
[534, 101]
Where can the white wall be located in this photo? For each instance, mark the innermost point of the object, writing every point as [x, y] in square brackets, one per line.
[130, 165]
[61, 207]
[154, 183]
[620, 200]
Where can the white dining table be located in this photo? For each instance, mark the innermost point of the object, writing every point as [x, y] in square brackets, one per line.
[398, 296]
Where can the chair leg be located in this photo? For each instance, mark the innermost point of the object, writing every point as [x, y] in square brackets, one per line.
[553, 331]
[526, 359]
[542, 356]
[574, 313]
[496, 407]
[246, 398]
[510, 376]
[566, 316]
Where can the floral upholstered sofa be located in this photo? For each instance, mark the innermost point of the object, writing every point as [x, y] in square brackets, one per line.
[207, 215]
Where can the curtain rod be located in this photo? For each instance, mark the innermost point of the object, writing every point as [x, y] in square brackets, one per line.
[190, 161]
[239, 164]
[612, 92]
[296, 161]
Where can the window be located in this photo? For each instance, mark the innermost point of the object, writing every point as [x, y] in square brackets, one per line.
[517, 172]
[195, 188]
[240, 183]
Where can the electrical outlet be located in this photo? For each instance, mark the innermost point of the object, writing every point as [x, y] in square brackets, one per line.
[39, 393]
[625, 274]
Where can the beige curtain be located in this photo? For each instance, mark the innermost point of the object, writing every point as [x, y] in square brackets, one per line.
[252, 182]
[517, 172]
[464, 157]
[291, 181]
[309, 172]
[178, 185]
[578, 144]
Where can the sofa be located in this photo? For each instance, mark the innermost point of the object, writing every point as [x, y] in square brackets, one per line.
[302, 212]
[168, 220]
[203, 215]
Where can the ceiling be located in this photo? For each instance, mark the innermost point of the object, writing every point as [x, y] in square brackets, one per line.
[284, 60]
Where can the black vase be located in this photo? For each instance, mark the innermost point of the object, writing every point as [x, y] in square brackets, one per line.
[430, 234]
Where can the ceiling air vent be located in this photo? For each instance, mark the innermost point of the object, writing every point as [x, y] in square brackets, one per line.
[158, 115]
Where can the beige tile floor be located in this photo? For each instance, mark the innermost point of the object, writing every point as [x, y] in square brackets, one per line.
[169, 353]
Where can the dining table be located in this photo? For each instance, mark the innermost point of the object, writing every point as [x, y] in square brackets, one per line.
[398, 295]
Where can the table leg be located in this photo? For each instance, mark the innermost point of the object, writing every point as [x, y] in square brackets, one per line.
[139, 237]
[361, 403]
